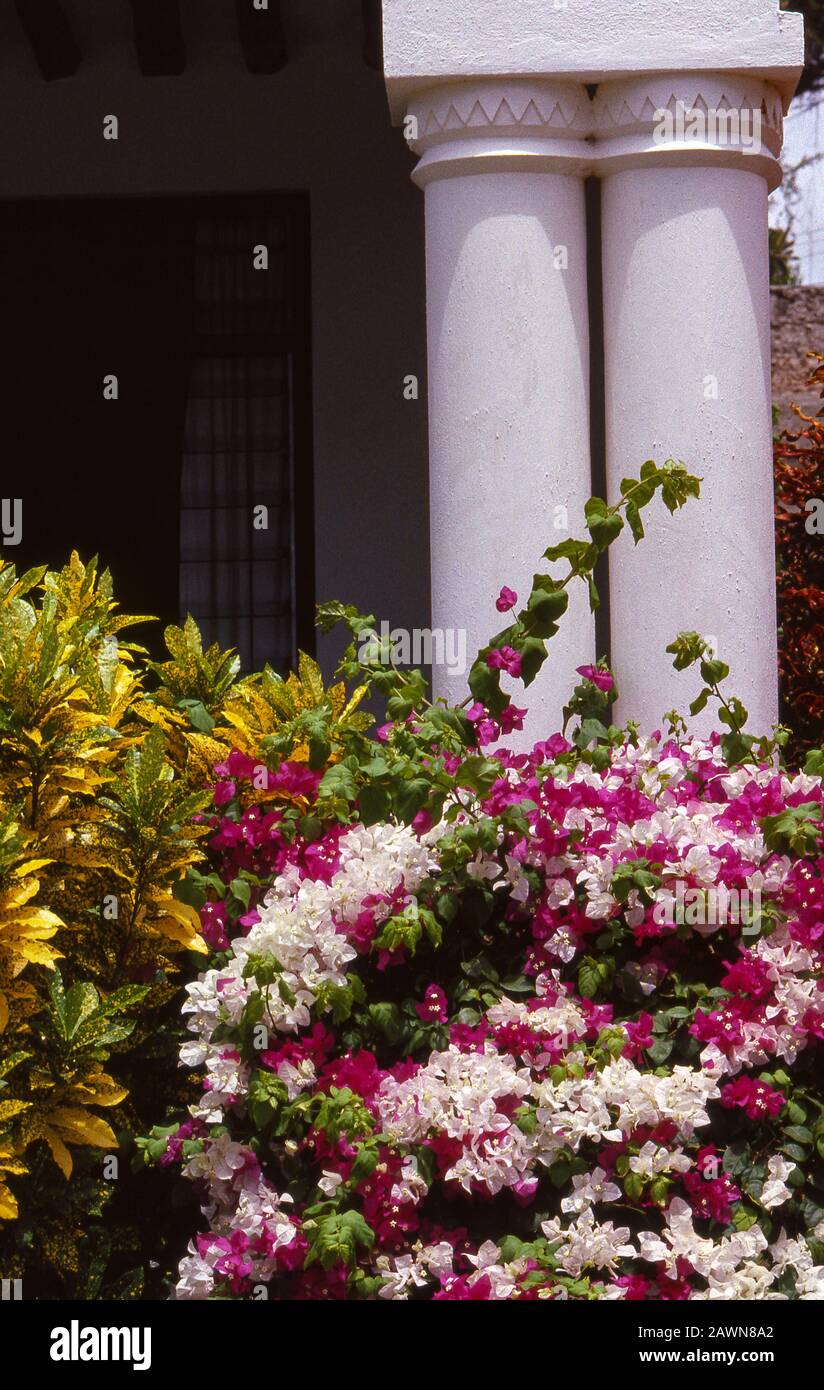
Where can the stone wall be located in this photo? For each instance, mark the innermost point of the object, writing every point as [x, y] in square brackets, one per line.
[797, 328]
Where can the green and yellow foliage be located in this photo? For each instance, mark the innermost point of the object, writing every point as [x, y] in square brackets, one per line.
[106, 759]
[95, 829]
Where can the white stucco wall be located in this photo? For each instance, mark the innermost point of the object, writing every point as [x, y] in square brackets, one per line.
[320, 125]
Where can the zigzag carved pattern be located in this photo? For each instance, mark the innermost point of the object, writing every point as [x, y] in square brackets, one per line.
[456, 111]
[622, 108]
[615, 107]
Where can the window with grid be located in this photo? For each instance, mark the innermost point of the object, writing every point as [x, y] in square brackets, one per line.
[244, 581]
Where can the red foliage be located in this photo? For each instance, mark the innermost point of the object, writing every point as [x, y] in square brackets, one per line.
[799, 478]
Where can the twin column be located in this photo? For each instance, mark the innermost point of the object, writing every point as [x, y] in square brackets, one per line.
[687, 366]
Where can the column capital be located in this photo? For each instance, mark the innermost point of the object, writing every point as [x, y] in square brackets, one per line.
[429, 42]
[685, 119]
[523, 125]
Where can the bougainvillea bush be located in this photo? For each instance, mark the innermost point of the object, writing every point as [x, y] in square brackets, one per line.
[799, 523]
[484, 1024]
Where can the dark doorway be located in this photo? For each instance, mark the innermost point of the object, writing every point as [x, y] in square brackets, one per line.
[209, 339]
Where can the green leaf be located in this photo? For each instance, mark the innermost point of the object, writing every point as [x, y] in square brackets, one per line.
[713, 672]
[547, 603]
[799, 1133]
[410, 797]
[387, 1019]
[57, 995]
[485, 685]
[13, 1060]
[589, 978]
[636, 525]
[660, 1050]
[242, 890]
[366, 1161]
[373, 803]
[310, 827]
[634, 1186]
[199, 716]
[603, 523]
[795, 828]
[699, 702]
[338, 781]
[82, 1001]
[533, 656]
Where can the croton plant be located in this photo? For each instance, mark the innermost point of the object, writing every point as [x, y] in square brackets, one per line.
[491, 1024]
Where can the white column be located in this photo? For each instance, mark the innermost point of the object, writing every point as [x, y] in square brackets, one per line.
[687, 341]
[508, 351]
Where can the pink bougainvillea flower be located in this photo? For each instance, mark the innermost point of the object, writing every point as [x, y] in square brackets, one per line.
[486, 730]
[504, 659]
[213, 922]
[512, 718]
[422, 822]
[552, 747]
[636, 1288]
[223, 792]
[296, 779]
[434, 1006]
[756, 1099]
[238, 766]
[602, 679]
[506, 600]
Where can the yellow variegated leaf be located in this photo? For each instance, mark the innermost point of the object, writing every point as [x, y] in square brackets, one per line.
[204, 753]
[8, 1204]
[176, 931]
[184, 912]
[311, 678]
[353, 703]
[17, 896]
[59, 1152]
[30, 867]
[91, 859]
[336, 698]
[37, 953]
[13, 1166]
[4, 1011]
[86, 783]
[87, 720]
[210, 748]
[79, 1126]
[10, 1108]
[13, 931]
[238, 720]
[158, 714]
[100, 1089]
[32, 916]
